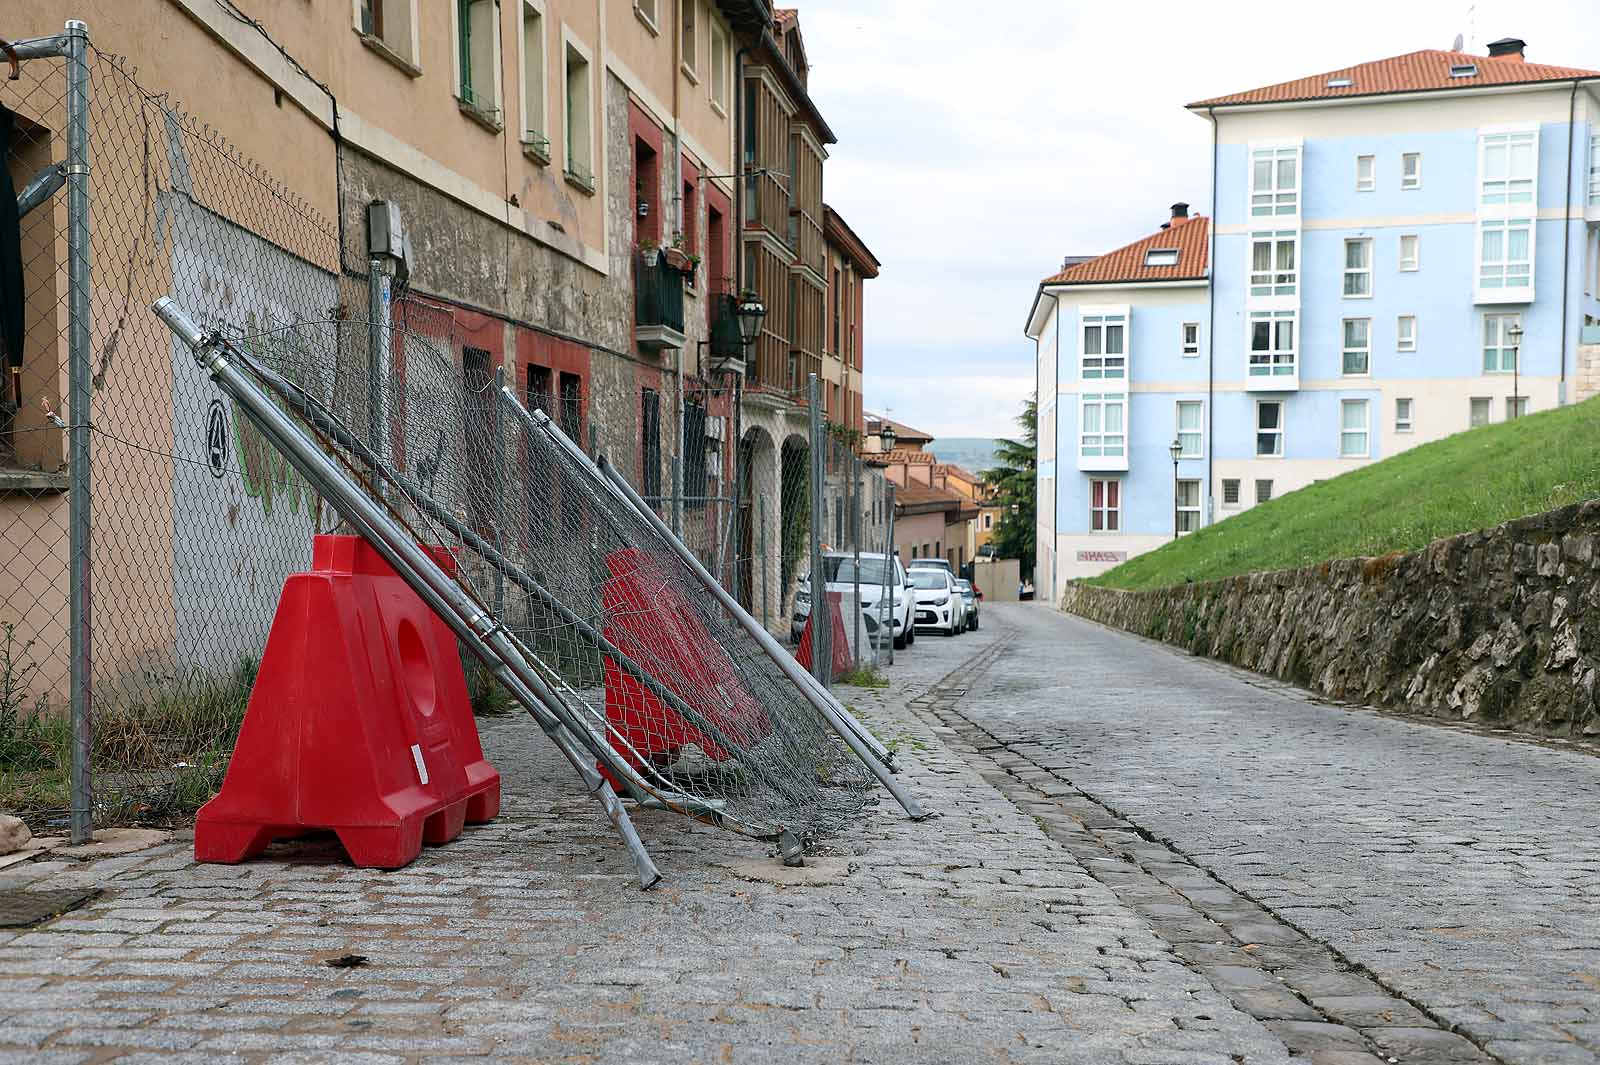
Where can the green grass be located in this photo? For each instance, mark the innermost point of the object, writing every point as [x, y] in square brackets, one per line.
[864, 676]
[1473, 480]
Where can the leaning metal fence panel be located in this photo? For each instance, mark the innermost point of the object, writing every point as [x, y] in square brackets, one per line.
[597, 599]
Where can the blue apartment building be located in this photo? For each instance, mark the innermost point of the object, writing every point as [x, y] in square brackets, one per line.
[1396, 251]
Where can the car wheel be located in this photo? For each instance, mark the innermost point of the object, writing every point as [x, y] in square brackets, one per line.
[899, 643]
[911, 637]
[974, 624]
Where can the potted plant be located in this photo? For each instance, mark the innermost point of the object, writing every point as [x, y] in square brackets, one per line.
[678, 255]
[649, 251]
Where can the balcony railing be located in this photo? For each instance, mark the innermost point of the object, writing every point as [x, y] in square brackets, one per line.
[726, 340]
[658, 305]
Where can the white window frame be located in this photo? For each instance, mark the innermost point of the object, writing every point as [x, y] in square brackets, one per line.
[1495, 327]
[721, 58]
[1594, 168]
[1274, 199]
[1359, 346]
[1191, 347]
[1508, 192]
[1277, 433]
[1516, 407]
[1367, 182]
[1412, 180]
[1103, 443]
[1496, 275]
[1349, 437]
[1357, 272]
[1404, 414]
[571, 46]
[1266, 498]
[1507, 198]
[1110, 514]
[1412, 263]
[534, 112]
[648, 12]
[1101, 320]
[1238, 493]
[1474, 405]
[1273, 361]
[410, 53]
[689, 40]
[1405, 339]
[1273, 281]
[1197, 432]
[1161, 257]
[1189, 510]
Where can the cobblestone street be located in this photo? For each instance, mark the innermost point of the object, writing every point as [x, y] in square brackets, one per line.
[1454, 870]
[968, 938]
[1141, 857]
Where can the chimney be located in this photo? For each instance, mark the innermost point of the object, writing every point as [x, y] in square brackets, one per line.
[1180, 211]
[1508, 48]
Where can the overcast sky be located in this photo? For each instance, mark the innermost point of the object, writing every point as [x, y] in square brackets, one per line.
[979, 143]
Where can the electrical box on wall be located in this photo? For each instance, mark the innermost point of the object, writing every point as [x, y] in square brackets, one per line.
[386, 234]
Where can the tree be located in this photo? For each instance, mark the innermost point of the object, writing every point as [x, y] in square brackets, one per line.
[1015, 483]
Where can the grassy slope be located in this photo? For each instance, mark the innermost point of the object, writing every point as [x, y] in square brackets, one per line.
[1472, 480]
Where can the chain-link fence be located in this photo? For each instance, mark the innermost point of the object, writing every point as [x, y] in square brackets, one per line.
[149, 526]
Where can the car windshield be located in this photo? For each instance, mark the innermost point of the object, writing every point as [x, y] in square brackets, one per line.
[928, 579]
[842, 570]
[964, 586]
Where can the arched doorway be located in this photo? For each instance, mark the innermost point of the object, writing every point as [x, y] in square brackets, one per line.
[795, 515]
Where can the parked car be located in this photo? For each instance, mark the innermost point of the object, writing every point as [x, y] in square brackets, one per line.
[939, 604]
[840, 570]
[935, 563]
[971, 596]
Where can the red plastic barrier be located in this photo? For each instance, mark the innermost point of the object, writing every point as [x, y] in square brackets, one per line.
[840, 644]
[359, 722]
[652, 623]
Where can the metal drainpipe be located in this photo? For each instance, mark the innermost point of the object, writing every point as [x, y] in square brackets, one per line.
[1211, 330]
[678, 220]
[1055, 481]
[1566, 242]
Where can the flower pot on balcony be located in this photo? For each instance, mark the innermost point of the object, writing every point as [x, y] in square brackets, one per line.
[679, 260]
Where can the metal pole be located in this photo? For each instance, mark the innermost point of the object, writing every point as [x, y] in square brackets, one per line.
[1174, 498]
[483, 635]
[854, 517]
[859, 740]
[821, 621]
[894, 557]
[79, 399]
[377, 356]
[497, 480]
[1516, 373]
[739, 473]
[761, 564]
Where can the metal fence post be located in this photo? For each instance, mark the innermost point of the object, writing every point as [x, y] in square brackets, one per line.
[378, 295]
[853, 464]
[886, 611]
[79, 399]
[761, 564]
[821, 623]
[911, 618]
[498, 480]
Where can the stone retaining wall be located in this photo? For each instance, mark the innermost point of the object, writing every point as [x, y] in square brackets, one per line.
[1498, 626]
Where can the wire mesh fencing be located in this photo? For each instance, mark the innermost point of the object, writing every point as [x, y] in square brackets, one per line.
[153, 524]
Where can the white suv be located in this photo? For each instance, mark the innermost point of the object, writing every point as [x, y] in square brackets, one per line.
[939, 604]
[840, 569]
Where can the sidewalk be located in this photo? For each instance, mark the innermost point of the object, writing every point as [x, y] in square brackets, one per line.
[967, 938]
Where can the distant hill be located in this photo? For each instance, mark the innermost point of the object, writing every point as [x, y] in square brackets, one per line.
[972, 453]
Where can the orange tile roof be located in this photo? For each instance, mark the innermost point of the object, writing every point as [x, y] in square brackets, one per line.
[784, 15]
[1424, 71]
[1187, 235]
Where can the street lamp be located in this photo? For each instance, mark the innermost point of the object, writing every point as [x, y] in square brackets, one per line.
[750, 311]
[1176, 448]
[886, 435]
[1514, 334]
